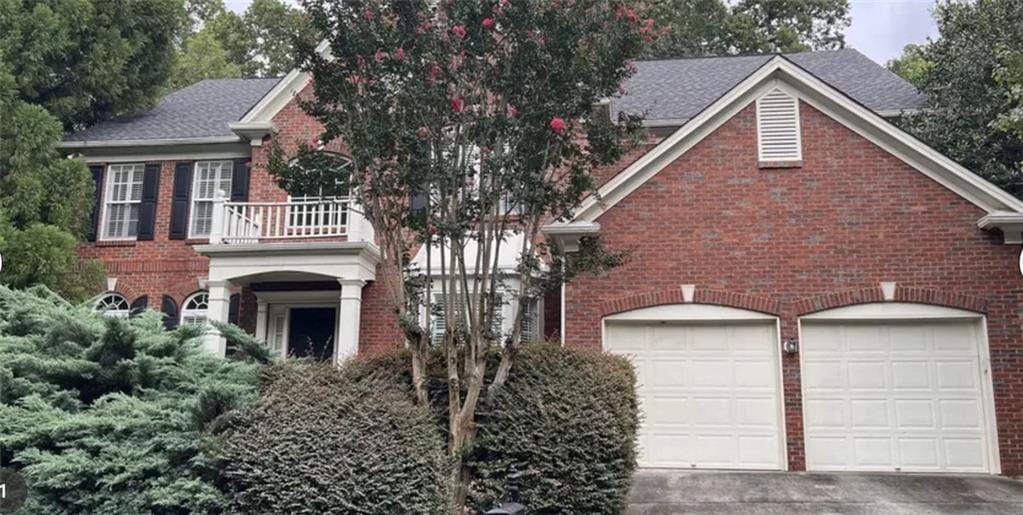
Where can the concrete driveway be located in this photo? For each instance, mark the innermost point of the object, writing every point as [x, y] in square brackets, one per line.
[660, 492]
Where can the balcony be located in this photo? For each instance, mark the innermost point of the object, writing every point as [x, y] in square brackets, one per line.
[306, 218]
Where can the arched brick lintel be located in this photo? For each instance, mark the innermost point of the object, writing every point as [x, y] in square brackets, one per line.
[902, 294]
[700, 296]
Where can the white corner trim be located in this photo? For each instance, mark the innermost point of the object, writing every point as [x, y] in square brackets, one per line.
[567, 235]
[1011, 225]
[820, 95]
[72, 145]
[287, 88]
[688, 292]
[688, 312]
[888, 291]
[253, 131]
[892, 311]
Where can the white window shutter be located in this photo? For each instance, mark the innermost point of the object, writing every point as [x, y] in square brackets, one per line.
[778, 137]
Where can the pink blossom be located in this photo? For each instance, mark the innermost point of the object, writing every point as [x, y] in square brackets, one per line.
[433, 230]
[621, 90]
[368, 13]
[512, 111]
[488, 23]
[459, 31]
[648, 23]
[423, 133]
[436, 72]
[558, 124]
[399, 54]
[380, 56]
[457, 104]
[424, 27]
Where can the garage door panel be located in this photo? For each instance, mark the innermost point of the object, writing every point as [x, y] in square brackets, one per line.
[862, 375]
[961, 414]
[868, 414]
[956, 375]
[755, 373]
[825, 375]
[668, 373]
[710, 392]
[915, 406]
[964, 453]
[910, 374]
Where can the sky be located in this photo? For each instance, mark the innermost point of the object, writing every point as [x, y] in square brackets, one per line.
[879, 29]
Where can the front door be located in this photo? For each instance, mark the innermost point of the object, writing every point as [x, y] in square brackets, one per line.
[311, 333]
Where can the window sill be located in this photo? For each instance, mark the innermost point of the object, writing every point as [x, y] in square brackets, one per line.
[116, 243]
[197, 241]
[779, 164]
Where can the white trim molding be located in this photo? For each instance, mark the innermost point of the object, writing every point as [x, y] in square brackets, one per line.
[340, 260]
[808, 88]
[254, 132]
[1011, 225]
[567, 235]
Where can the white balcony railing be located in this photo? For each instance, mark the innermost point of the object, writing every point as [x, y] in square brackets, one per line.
[308, 217]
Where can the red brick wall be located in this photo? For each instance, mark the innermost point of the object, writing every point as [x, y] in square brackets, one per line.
[172, 267]
[783, 239]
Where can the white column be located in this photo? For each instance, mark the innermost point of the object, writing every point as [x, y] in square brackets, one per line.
[261, 318]
[220, 302]
[349, 311]
[219, 216]
[359, 228]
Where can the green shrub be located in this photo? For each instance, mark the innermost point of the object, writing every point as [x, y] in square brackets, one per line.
[319, 442]
[105, 415]
[566, 419]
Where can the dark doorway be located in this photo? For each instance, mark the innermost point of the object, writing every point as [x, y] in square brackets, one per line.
[312, 333]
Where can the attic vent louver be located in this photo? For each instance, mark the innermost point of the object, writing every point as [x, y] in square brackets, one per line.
[778, 127]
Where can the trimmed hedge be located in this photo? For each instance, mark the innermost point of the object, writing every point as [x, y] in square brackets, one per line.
[566, 419]
[319, 442]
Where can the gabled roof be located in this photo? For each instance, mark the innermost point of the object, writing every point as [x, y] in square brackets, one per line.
[671, 91]
[780, 71]
[197, 112]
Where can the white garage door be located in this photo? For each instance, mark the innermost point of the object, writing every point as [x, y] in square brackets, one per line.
[709, 392]
[895, 395]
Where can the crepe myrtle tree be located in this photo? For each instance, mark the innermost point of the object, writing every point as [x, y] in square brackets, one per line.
[468, 121]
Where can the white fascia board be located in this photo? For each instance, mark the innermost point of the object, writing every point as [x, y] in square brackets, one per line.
[567, 235]
[673, 146]
[879, 131]
[169, 142]
[291, 85]
[1011, 225]
[823, 97]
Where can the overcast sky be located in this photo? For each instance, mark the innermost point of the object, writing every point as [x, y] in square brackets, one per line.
[880, 28]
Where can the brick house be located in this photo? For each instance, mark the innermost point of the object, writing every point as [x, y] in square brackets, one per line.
[809, 287]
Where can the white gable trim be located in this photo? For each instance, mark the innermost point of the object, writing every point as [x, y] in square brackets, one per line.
[291, 85]
[859, 119]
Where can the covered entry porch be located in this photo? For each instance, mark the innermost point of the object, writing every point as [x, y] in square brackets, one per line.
[308, 295]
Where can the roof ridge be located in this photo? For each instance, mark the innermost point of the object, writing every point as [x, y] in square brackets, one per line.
[745, 55]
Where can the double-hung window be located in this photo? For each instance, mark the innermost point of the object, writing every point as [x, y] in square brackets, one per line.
[122, 200]
[209, 178]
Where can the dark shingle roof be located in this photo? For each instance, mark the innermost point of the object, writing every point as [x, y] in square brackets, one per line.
[679, 89]
[201, 110]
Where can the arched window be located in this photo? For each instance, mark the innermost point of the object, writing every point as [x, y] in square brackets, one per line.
[113, 304]
[196, 309]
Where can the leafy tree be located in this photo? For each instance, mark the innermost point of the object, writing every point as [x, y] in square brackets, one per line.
[972, 80]
[88, 60]
[222, 43]
[65, 64]
[106, 415]
[912, 64]
[1009, 76]
[202, 56]
[717, 27]
[483, 112]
